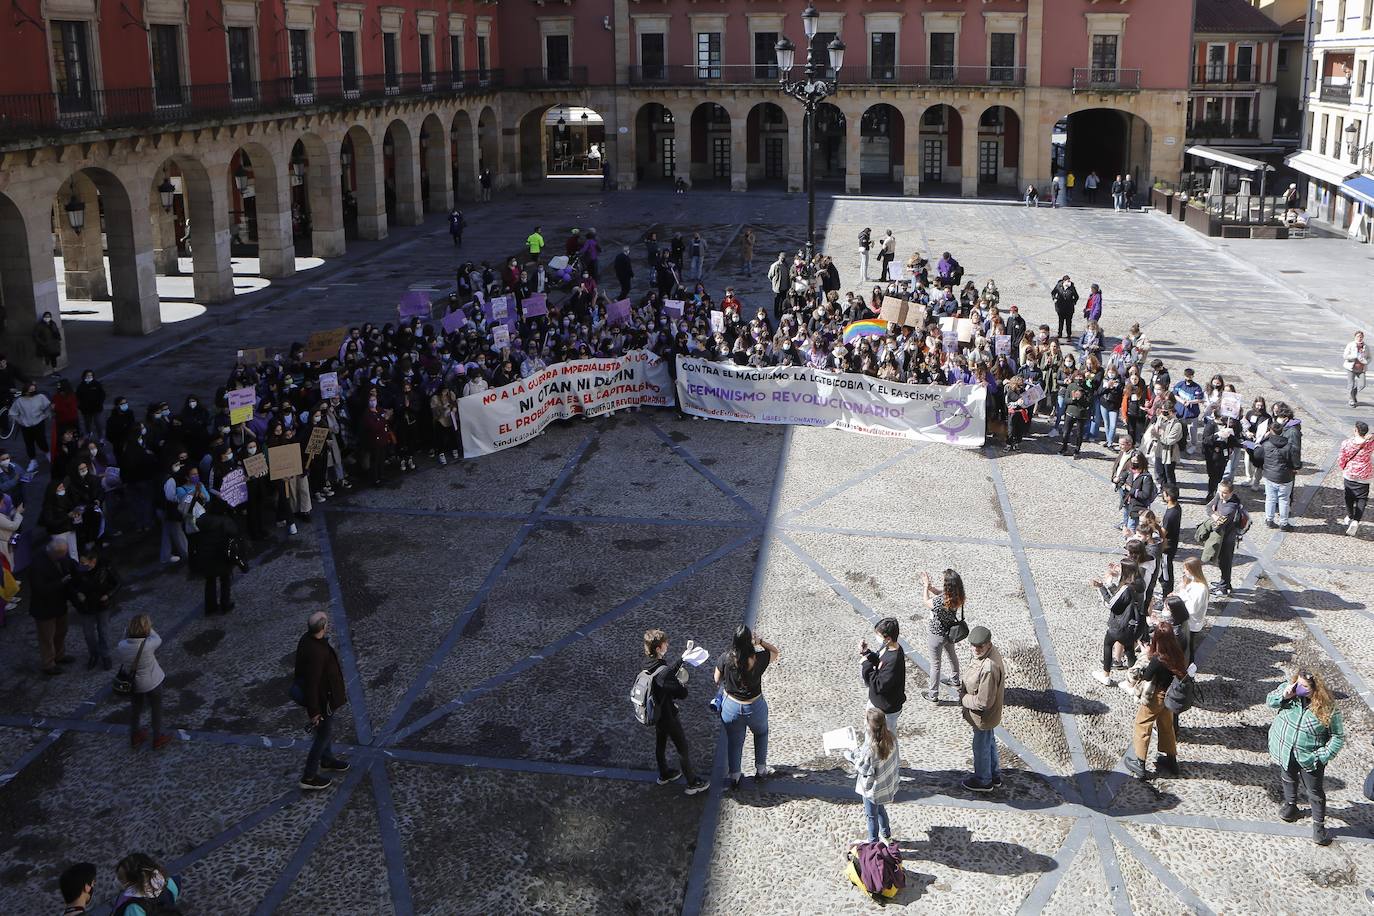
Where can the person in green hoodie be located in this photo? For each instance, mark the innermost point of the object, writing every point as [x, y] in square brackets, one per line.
[1306, 735]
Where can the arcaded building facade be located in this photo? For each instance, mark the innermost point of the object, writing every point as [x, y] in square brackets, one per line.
[139, 137]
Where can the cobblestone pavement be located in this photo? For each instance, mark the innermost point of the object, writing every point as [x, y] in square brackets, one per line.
[488, 617]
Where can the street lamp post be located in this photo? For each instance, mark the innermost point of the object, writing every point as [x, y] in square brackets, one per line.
[811, 90]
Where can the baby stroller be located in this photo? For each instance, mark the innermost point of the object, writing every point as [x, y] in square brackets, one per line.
[564, 272]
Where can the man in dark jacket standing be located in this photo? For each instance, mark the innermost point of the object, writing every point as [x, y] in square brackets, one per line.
[1228, 517]
[51, 579]
[624, 271]
[210, 555]
[320, 679]
[670, 685]
[1075, 412]
[885, 672]
[1279, 458]
[1065, 296]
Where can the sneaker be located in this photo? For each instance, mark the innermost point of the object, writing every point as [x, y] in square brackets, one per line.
[1286, 525]
[1288, 813]
[311, 783]
[733, 783]
[337, 765]
[949, 681]
[1343, 520]
[456, 455]
[973, 785]
[1269, 522]
[697, 787]
[931, 695]
[291, 529]
[1353, 529]
[173, 560]
[66, 660]
[1102, 678]
[1126, 687]
[765, 773]
[1134, 765]
[997, 782]
[161, 741]
[443, 460]
[52, 672]
[671, 777]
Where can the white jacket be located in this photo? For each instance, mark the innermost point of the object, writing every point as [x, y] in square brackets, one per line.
[1353, 353]
[149, 674]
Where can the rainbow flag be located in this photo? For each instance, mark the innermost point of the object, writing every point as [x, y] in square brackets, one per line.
[868, 327]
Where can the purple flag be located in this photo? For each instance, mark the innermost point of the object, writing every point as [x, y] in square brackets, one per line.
[415, 302]
[536, 304]
[618, 312]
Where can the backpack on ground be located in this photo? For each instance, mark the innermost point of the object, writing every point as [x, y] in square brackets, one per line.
[642, 696]
[876, 869]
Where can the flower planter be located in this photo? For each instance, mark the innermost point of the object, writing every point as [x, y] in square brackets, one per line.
[1202, 221]
[1162, 200]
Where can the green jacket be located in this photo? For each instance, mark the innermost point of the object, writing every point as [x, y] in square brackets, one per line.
[1302, 734]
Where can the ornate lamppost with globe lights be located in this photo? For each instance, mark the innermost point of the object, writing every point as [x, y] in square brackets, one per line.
[811, 90]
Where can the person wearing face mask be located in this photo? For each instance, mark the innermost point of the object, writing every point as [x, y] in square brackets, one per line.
[213, 554]
[118, 427]
[90, 399]
[11, 481]
[293, 493]
[86, 489]
[261, 500]
[31, 411]
[375, 429]
[47, 341]
[1305, 737]
[61, 514]
[195, 424]
[65, 410]
[173, 534]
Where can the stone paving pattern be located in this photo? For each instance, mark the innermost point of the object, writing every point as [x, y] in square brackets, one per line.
[489, 617]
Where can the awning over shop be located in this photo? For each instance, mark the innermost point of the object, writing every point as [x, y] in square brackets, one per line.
[1360, 188]
[1319, 167]
[1225, 157]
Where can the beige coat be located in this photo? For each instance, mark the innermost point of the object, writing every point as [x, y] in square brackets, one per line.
[8, 526]
[982, 693]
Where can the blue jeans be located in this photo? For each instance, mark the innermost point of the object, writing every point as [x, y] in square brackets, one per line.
[877, 816]
[737, 717]
[1277, 495]
[1060, 403]
[1106, 422]
[96, 627]
[985, 768]
[322, 748]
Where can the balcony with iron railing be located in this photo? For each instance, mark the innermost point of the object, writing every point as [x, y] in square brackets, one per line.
[149, 106]
[1224, 129]
[1337, 91]
[897, 75]
[1217, 74]
[1105, 79]
[540, 77]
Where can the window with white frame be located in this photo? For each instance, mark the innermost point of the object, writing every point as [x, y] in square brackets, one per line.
[71, 65]
[1106, 34]
[708, 55]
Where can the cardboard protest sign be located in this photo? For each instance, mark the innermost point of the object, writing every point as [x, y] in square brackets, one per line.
[252, 356]
[496, 308]
[233, 489]
[415, 303]
[673, 307]
[255, 465]
[329, 385]
[1034, 394]
[453, 321]
[717, 321]
[500, 337]
[899, 311]
[1003, 343]
[950, 341]
[618, 312]
[322, 345]
[318, 436]
[241, 401]
[535, 304]
[285, 460]
[963, 327]
[1231, 405]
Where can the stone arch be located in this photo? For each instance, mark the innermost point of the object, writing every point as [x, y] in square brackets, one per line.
[1105, 139]
[363, 202]
[321, 194]
[463, 156]
[712, 152]
[124, 220]
[766, 144]
[488, 141]
[881, 140]
[260, 211]
[828, 140]
[561, 138]
[940, 135]
[190, 224]
[27, 286]
[401, 174]
[436, 178]
[658, 151]
[998, 153]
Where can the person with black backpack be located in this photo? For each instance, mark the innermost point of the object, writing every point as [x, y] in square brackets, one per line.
[148, 890]
[1123, 602]
[656, 704]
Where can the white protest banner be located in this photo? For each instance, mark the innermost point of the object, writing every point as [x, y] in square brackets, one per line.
[717, 321]
[501, 417]
[1231, 405]
[329, 385]
[800, 396]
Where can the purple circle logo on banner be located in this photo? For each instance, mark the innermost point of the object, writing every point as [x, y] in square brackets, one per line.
[952, 417]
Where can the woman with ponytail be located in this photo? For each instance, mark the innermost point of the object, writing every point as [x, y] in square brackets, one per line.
[739, 673]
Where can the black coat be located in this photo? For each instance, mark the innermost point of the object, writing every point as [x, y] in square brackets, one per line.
[885, 676]
[51, 585]
[320, 675]
[210, 547]
[1064, 299]
[667, 687]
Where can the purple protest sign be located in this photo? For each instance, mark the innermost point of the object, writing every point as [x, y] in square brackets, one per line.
[536, 304]
[673, 308]
[453, 321]
[414, 303]
[618, 312]
[233, 489]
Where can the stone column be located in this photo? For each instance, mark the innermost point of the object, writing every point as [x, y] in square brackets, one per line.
[440, 174]
[83, 255]
[208, 206]
[276, 246]
[796, 150]
[911, 152]
[465, 186]
[1035, 30]
[323, 177]
[682, 148]
[853, 152]
[968, 146]
[164, 230]
[369, 172]
[28, 276]
[739, 153]
[406, 165]
[133, 278]
[1035, 141]
[626, 144]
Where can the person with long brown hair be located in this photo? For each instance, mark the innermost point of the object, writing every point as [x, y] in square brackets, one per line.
[946, 609]
[1306, 735]
[879, 768]
[1166, 662]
